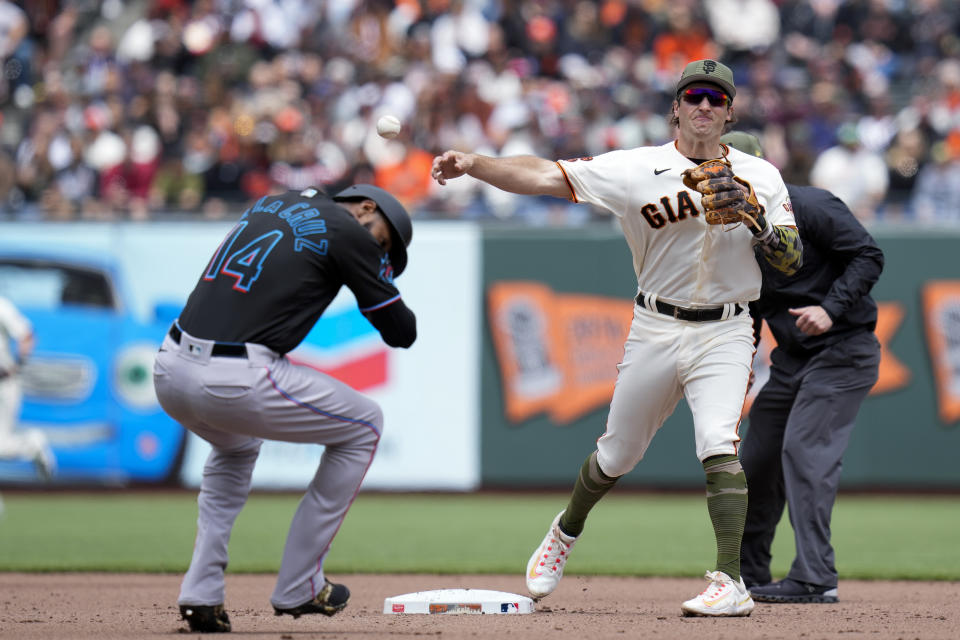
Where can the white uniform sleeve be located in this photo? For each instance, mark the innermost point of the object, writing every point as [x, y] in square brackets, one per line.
[12, 322]
[768, 185]
[779, 209]
[601, 181]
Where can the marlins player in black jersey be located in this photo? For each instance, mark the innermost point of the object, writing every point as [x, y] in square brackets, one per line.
[222, 372]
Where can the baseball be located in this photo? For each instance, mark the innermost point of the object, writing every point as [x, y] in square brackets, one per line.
[388, 126]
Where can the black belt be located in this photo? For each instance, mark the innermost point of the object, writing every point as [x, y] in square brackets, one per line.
[692, 315]
[220, 349]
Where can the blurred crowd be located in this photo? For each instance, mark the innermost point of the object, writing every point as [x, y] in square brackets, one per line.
[148, 109]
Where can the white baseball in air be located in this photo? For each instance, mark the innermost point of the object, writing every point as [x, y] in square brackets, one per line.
[388, 126]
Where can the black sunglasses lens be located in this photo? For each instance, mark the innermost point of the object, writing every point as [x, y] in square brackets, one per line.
[715, 98]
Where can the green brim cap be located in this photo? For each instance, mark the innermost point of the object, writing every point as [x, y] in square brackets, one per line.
[743, 141]
[708, 71]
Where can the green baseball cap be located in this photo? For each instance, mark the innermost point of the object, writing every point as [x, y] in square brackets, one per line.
[708, 71]
[743, 141]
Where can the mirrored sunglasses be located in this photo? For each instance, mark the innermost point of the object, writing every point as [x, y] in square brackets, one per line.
[715, 97]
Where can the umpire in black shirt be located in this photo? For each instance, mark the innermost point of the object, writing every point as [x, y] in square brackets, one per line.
[826, 361]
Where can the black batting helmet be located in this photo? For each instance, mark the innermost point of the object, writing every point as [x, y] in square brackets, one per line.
[396, 215]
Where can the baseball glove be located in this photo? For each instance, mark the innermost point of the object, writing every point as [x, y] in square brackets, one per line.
[727, 199]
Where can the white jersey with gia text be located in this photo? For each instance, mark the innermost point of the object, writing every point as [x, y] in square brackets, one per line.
[676, 254]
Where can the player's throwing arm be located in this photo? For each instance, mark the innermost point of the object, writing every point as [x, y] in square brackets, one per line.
[525, 175]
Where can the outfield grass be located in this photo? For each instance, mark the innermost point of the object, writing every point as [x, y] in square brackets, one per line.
[898, 537]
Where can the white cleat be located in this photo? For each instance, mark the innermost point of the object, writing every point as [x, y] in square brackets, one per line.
[723, 597]
[545, 567]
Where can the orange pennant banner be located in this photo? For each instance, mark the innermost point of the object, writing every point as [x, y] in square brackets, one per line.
[558, 353]
[941, 311]
[893, 373]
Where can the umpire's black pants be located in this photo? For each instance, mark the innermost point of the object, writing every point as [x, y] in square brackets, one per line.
[800, 425]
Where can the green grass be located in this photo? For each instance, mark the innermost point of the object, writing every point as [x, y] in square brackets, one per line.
[891, 537]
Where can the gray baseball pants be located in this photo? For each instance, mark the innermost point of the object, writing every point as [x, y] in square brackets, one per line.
[235, 403]
[800, 425]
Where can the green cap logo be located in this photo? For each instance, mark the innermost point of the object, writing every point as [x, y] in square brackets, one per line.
[708, 71]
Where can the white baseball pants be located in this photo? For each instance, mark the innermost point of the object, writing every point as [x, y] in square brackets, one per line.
[708, 363]
[17, 444]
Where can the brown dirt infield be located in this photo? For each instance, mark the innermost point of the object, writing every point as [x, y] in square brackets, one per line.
[133, 606]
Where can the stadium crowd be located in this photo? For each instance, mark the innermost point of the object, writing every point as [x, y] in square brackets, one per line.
[146, 109]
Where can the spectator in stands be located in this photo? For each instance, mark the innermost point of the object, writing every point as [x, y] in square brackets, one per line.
[936, 197]
[15, 48]
[727, 17]
[222, 83]
[904, 158]
[854, 174]
[686, 37]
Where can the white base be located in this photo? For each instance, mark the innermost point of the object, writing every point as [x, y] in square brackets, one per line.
[449, 601]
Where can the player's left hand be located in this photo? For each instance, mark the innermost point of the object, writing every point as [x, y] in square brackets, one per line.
[727, 199]
[812, 320]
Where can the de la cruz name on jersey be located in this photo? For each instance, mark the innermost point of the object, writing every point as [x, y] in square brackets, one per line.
[286, 259]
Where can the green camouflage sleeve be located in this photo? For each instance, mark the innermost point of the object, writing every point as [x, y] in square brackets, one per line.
[783, 250]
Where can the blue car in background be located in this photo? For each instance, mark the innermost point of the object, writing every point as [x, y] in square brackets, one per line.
[89, 383]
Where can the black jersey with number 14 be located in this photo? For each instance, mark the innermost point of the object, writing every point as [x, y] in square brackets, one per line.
[278, 269]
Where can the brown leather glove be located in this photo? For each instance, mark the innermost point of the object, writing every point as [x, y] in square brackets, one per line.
[727, 199]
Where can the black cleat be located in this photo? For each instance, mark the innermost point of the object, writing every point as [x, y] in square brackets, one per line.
[793, 592]
[331, 599]
[205, 618]
[750, 583]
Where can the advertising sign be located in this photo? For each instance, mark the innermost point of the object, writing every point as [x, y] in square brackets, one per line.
[101, 297]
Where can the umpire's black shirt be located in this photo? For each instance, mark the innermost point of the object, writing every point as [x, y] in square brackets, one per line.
[280, 267]
[841, 263]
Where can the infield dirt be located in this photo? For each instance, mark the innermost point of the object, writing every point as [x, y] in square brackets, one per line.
[132, 606]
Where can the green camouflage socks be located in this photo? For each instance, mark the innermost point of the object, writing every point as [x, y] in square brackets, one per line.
[727, 504]
[592, 484]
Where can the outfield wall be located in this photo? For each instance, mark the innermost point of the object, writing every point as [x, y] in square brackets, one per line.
[559, 301]
[509, 381]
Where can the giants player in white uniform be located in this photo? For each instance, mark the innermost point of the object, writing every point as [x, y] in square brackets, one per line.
[18, 444]
[691, 332]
